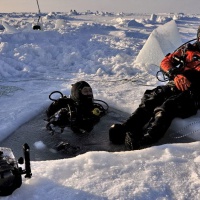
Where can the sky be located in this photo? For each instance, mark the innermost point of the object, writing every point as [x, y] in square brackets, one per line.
[114, 54]
[138, 6]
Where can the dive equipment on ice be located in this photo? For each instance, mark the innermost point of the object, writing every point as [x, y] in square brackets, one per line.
[10, 172]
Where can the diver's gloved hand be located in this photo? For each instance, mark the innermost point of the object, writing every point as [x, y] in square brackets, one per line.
[181, 82]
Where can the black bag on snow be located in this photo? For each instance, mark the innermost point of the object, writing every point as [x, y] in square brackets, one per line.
[10, 172]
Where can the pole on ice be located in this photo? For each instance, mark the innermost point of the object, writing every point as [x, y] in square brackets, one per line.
[38, 7]
[37, 26]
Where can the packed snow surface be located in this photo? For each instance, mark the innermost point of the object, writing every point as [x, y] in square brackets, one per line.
[118, 55]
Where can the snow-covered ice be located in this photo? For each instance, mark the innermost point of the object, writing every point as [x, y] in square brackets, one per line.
[118, 54]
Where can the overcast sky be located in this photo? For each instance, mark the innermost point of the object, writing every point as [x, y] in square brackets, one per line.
[135, 6]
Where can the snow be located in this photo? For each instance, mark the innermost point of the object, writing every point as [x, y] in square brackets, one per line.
[113, 57]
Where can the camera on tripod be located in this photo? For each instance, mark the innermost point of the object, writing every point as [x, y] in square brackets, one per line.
[10, 172]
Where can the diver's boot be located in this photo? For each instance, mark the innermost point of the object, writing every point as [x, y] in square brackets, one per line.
[131, 142]
[117, 133]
